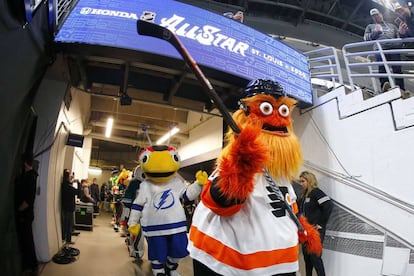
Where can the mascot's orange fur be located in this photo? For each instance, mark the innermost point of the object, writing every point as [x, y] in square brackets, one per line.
[238, 192]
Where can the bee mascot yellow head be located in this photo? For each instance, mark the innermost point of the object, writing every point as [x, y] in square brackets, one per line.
[159, 163]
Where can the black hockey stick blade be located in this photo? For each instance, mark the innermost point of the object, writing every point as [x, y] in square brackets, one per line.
[150, 29]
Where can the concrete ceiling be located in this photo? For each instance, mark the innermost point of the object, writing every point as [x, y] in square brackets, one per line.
[163, 95]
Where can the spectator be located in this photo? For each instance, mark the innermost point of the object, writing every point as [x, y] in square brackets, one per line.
[238, 16]
[94, 188]
[68, 206]
[86, 195]
[381, 30]
[85, 192]
[406, 26]
[25, 193]
[103, 195]
[316, 206]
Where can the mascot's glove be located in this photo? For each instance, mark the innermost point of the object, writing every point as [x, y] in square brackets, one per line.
[246, 157]
[248, 152]
[134, 229]
[202, 177]
[311, 240]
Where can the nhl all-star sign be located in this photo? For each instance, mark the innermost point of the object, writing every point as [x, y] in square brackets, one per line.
[214, 41]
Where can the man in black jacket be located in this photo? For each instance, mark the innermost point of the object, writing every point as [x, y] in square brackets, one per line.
[25, 194]
[68, 206]
[94, 188]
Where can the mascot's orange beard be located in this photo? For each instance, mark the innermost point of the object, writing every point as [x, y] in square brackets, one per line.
[285, 153]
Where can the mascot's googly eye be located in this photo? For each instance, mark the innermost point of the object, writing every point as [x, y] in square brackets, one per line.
[266, 108]
[174, 155]
[284, 110]
[144, 157]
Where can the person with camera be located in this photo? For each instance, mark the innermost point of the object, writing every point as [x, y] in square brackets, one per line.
[381, 30]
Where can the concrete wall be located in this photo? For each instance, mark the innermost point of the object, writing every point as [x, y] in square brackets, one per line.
[205, 140]
[55, 122]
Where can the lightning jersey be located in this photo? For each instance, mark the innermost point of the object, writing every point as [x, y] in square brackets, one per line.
[260, 239]
[159, 208]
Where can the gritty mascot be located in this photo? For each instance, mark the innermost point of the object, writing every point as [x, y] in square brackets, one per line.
[159, 210]
[240, 227]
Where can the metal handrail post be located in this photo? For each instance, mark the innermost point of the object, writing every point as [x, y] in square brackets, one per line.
[373, 80]
[385, 64]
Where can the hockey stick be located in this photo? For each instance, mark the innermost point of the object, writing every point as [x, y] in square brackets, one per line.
[150, 29]
[154, 30]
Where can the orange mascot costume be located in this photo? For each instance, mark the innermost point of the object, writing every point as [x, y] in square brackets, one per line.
[242, 225]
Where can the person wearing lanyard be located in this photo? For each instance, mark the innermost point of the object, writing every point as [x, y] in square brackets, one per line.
[316, 206]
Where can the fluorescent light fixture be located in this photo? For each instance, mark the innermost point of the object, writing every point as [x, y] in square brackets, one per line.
[109, 125]
[94, 170]
[168, 135]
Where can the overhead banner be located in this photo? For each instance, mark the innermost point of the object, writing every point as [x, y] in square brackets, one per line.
[213, 40]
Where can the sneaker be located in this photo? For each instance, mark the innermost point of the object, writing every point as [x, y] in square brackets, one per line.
[386, 86]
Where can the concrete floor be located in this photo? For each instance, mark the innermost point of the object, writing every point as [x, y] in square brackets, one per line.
[103, 252]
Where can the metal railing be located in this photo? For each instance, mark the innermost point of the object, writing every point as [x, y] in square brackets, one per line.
[369, 190]
[361, 62]
[356, 66]
[324, 64]
[62, 9]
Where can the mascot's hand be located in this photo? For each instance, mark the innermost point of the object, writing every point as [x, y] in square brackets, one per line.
[134, 229]
[311, 240]
[246, 157]
[202, 177]
[248, 150]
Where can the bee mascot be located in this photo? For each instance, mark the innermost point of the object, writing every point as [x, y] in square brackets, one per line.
[159, 209]
[240, 227]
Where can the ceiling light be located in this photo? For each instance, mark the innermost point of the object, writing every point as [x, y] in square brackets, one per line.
[168, 135]
[109, 124]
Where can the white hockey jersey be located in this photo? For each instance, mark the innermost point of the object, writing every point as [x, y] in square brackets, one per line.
[159, 208]
[260, 239]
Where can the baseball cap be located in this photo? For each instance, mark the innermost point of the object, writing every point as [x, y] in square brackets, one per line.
[374, 11]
